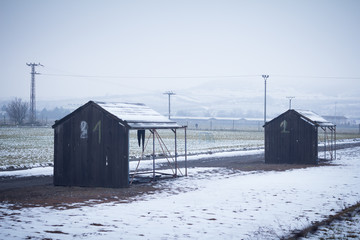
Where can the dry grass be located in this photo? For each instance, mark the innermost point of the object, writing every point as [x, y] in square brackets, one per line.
[346, 213]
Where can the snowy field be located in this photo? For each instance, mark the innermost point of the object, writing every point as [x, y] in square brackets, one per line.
[211, 203]
[24, 147]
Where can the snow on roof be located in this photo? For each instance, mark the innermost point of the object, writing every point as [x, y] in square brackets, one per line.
[138, 115]
[315, 118]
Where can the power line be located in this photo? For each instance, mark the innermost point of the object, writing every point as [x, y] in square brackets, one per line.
[314, 77]
[199, 77]
[144, 77]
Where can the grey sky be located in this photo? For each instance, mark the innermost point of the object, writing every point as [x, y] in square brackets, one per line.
[106, 40]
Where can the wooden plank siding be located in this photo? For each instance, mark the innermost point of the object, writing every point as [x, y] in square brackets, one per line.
[292, 139]
[91, 149]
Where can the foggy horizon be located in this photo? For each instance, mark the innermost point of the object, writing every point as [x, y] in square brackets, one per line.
[211, 53]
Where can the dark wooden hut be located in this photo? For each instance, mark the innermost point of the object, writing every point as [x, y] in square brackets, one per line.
[91, 144]
[292, 137]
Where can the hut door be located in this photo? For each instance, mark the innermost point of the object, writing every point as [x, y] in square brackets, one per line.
[285, 145]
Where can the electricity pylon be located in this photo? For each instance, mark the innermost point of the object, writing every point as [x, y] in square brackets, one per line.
[32, 117]
[169, 93]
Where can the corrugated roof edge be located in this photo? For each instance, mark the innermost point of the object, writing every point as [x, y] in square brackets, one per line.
[139, 104]
[321, 124]
[57, 122]
[171, 124]
[156, 120]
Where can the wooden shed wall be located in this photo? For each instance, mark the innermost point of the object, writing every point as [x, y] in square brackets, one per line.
[289, 138]
[91, 149]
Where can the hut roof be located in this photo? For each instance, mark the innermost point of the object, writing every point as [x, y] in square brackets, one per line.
[310, 117]
[138, 115]
[315, 118]
[135, 115]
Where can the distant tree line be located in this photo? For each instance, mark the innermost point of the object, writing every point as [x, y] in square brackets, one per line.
[17, 112]
[54, 114]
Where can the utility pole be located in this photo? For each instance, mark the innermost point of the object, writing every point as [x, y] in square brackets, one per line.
[290, 98]
[169, 93]
[265, 78]
[32, 91]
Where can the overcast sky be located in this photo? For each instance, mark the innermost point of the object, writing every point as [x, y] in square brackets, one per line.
[95, 48]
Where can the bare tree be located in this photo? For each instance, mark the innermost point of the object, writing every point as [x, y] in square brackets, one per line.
[17, 110]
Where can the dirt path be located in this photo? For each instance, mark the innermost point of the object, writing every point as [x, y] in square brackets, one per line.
[39, 190]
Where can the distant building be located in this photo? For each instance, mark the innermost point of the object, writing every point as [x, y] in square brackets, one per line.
[219, 123]
[337, 120]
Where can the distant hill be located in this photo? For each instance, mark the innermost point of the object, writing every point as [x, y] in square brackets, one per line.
[236, 98]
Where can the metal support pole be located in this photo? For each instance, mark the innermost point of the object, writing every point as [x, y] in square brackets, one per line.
[32, 96]
[265, 103]
[169, 107]
[185, 153]
[331, 143]
[265, 78]
[176, 166]
[325, 144]
[169, 93]
[335, 140]
[153, 154]
[290, 98]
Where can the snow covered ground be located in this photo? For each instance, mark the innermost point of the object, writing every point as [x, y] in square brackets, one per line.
[211, 203]
[25, 147]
